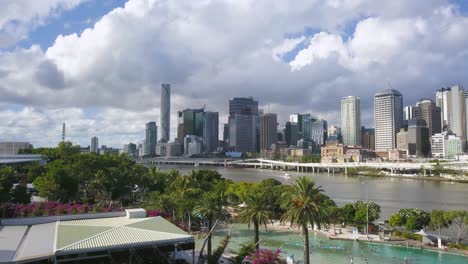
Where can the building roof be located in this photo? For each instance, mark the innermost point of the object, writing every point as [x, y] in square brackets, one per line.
[42, 241]
[388, 92]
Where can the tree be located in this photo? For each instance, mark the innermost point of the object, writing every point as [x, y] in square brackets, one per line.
[7, 178]
[211, 207]
[20, 194]
[439, 220]
[304, 205]
[257, 212]
[411, 219]
[348, 213]
[460, 220]
[361, 214]
[336, 215]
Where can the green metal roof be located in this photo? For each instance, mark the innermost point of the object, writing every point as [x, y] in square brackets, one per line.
[116, 232]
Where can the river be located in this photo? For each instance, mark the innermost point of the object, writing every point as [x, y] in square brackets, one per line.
[390, 193]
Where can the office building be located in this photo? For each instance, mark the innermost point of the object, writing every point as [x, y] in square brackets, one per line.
[446, 145]
[169, 149]
[418, 139]
[243, 133]
[94, 145]
[191, 139]
[368, 138]
[427, 110]
[130, 150]
[334, 130]
[388, 116]
[268, 130]
[165, 112]
[300, 119]
[351, 121]
[291, 133]
[402, 140]
[244, 124]
[210, 131]
[13, 148]
[151, 138]
[226, 136]
[190, 122]
[318, 134]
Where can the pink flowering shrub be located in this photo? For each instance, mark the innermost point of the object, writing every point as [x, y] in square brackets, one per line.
[51, 209]
[266, 256]
[154, 213]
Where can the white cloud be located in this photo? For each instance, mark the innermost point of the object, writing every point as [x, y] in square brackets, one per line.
[18, 17]
[213, 50]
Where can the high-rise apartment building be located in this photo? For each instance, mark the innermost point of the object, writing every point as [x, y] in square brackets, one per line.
[388, 116]
[427, 110]
[351, 121]
[151, 138]
[268, 130]
[165, 112]
[210, 131]
[452, 103]
[94, 145]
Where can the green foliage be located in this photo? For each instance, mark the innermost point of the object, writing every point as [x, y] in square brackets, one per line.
[348, 213]
[244, 250]
[360, 215]
[439, 220]
[306, 204]
[408, 235]
[218, 253]
[410, 219]
[20, 195]
[7, 178]
[459, 219]
[313, 158]
[258, 212]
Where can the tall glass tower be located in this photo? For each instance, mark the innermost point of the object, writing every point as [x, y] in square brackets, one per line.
[165, 112]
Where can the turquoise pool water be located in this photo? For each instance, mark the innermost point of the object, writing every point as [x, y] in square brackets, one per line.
[326, 251]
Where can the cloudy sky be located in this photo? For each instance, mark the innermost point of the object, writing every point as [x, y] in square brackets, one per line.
[97, 64]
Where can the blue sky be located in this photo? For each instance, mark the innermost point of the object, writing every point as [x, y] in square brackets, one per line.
[71, 21]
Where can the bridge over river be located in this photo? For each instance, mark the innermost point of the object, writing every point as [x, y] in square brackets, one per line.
[392, 167]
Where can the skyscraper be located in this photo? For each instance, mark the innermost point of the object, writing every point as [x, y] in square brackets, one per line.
[244, 125]
[190, 122]
[268, 130]
[418, 138]
[430, 113]
[94, 145]
[165, 112]
[351, 121]
[291, 133]
[318, 134]
[210, 131]
[388, 116]
[151, 138]
[452, 103]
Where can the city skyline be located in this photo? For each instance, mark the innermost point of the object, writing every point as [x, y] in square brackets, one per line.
[319, 53]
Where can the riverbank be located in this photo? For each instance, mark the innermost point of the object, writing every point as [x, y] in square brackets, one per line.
[412, 177]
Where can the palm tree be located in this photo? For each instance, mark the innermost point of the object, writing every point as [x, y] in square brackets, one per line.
[211, 207]
[258, 212]
[305, 204]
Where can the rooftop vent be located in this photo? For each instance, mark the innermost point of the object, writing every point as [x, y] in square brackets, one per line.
[135, 213]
